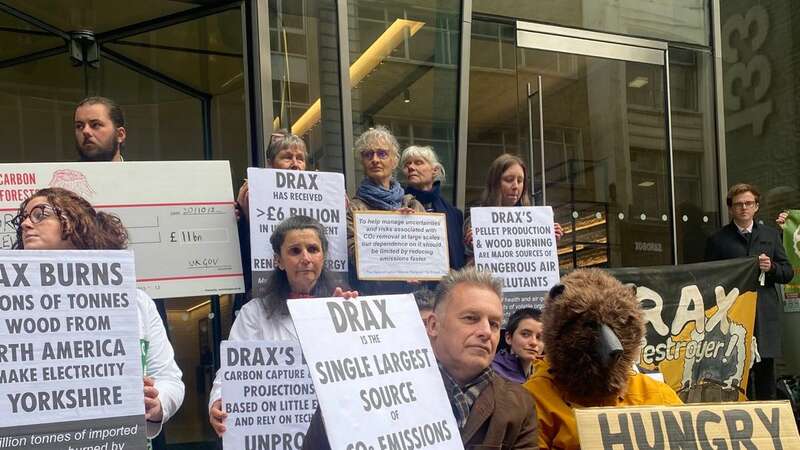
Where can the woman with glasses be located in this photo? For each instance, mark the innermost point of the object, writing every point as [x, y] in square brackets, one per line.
[506, 185]
[424, 175]
[379, 153]
[58, 219]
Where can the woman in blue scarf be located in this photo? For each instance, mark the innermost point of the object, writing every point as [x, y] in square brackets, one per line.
[424, 175]
[379, 153]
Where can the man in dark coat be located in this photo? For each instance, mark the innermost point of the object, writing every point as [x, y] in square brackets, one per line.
[743, 236]
[464, 330]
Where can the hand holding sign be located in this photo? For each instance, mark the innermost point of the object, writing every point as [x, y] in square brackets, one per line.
[374, 372]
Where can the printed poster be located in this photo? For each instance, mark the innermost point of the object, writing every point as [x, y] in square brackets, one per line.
[376, 377]
[395, 246]
[791, 243]
[276, 195]
[268, 394]
[70, 370]
[517, 245]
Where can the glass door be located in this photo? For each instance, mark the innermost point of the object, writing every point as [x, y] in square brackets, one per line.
[594, 108]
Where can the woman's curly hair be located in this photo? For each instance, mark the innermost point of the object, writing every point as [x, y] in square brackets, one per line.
[86, 228]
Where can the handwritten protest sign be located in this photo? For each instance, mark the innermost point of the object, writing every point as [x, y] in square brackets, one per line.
[276, 195]
[376, 377]
[518, 245]
[394, 246]
[761, 425]
[268, 394]
[70, 367]
[182, 231]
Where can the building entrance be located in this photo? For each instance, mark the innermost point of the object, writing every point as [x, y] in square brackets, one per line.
[598, 142]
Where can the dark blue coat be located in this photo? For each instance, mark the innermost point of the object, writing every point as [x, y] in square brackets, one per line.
[433, 202]
[728, 243]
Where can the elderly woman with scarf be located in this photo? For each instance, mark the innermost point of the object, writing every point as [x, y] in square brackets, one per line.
[424, 175]
[379, 153]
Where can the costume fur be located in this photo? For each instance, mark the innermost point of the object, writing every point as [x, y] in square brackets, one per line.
[573, 313]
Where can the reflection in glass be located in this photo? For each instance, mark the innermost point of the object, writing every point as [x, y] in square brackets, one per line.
[694, 150]
[305, 77]
[404, 73]
[604, 139]
[669, 20]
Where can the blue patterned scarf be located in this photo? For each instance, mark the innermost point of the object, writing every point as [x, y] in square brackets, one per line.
[379, 197]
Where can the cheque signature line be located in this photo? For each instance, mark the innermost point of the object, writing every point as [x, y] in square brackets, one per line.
[189, 277]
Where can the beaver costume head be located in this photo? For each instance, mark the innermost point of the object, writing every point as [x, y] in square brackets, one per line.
[593, 331]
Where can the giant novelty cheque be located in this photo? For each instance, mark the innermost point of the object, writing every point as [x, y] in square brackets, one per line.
[179, 215]
[268, 394]
[375, 374]
[276, 195]
[70, 362]
[517, 245]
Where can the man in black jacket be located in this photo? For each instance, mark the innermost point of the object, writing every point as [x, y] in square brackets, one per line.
[744, 237]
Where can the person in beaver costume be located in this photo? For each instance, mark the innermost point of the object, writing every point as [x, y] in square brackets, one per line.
[593, 330]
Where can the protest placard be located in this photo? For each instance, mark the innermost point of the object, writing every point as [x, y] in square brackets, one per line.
[395, 246]
[761, 425]
[268, 394]
[517, 245]
[791, 243]
[182, 231]
[70, 364]
[376, 377]
[276, 195]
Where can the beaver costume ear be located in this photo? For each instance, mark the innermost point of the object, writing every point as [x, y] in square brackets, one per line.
[556, 291]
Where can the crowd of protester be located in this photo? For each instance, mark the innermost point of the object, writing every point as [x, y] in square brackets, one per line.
[572, 354]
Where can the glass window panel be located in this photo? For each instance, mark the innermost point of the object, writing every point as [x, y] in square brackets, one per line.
[98, 15]
[19, 38]
[694, 151]
[604, 152]
[671, 20]
[305, 69]
[413, 84]
[762, 128]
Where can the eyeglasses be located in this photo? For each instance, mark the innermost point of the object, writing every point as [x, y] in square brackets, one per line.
[37, 214]
[745, 205]
[367, 155]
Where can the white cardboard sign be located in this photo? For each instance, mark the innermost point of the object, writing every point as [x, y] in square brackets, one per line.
[518, 245]
[71, 367]
[276, 195]
[268, 394]
[395, 246]
[376, 377]
[179, 215]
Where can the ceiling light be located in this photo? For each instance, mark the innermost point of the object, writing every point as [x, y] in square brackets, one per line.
[372, 57]
[647, 184]
[638, 82]
[406, 96]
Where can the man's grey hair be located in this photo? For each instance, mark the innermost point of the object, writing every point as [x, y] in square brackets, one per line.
[468, 275]
[375, 136]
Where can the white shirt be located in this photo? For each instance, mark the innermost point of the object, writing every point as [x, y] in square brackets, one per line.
[159, 360]
[253, 324]
[748, 229]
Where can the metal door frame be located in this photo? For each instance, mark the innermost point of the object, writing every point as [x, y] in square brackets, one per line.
[538, 36]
